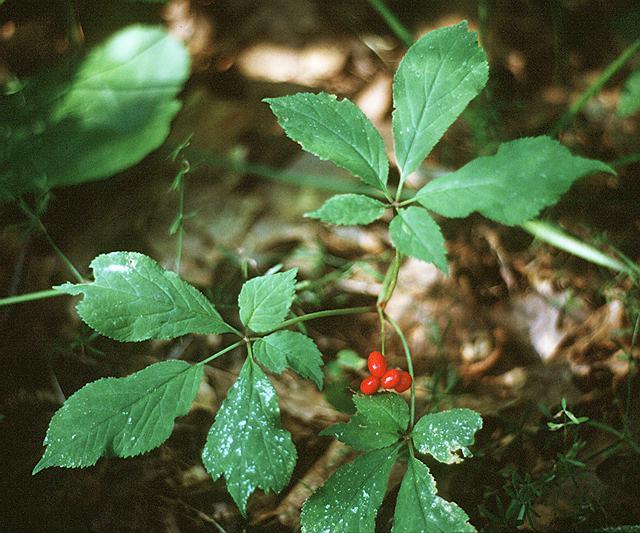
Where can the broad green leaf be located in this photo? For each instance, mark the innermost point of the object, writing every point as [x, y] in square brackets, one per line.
[246, 443]
[380, 421]
[133, 299]
[349, 209]
[120, 416]
[413, 232]
[436, 79]
[336, 130]
[350, 498]
[265, 301]
[444, 434]
[419, 508]
[629, 101]
[512, 186]
[290, 349]
[116, 109]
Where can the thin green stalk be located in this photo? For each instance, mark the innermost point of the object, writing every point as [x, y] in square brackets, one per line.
[323, 314]
[390, 280]
[595, 87]
[556, 237]
[38, 223]
[382, 329]
[407, 353]
[180, 230]
[625, 160]
[221, 352]
[39, 295]
[393, 22]
[619, 434]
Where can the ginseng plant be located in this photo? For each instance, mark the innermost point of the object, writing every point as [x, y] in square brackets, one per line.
[133, 299]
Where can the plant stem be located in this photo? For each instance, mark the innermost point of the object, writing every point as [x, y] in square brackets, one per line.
[393, 22]
[556, 237]
[29, 297]
[38, 223]
[220, 353]
[595, 87]
[625, 160]
[619, 434]
[407, 353]
[390, 280]
[180, 229]
[323, 314]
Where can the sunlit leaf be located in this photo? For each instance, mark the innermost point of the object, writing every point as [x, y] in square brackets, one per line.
[133, 299]
[413, 232]
[445, 434]
[265, 301]
[349, 209]
[380, 421]
[246, 443]
[512, 186]
[350, 498]
[120, 416]
[419, 508]
[436, 79]
[290, 349]
[336, 130]
[117, 108]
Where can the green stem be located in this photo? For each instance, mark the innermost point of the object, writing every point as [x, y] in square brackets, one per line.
[595, 87]
[220, 353]
[180, 236]
[407, 353]
[625, 160]
[408, 202]
[40, 295]
[323, 314]
[390, 281]
[619, 434]
[556, 237]
[393, 22]
[38, 223]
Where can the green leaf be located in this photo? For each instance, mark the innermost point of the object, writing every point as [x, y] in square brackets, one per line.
[436, 79]
[349, 209]
[290, 349]
[133, 299]
[512, 186]
[116, 109]
[265, 301]
[629, 101]
[413, 232]
[444, 434]
[120, 416]
[336, 130]
[350, 498]
[246, 443]
[380, 421]
[419, 508]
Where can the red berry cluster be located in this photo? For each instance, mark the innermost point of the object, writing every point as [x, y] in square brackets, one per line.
[394, 378]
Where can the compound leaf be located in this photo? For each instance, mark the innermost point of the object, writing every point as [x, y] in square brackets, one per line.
[380, 421]
[513, 185]
[290, 349]
[413, 232]
[349, 209]
[265, 301]
[246, 443]
[436, 79]
[120, 416]
[444, 434]
[116, 109]
[336, 130]
[350, 498]
[629, 101]
[419, 508]
[133, 299]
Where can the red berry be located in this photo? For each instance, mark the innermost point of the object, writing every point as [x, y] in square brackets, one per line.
[377, 364]
[405, 381]
[390, 378]
[369, 385]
